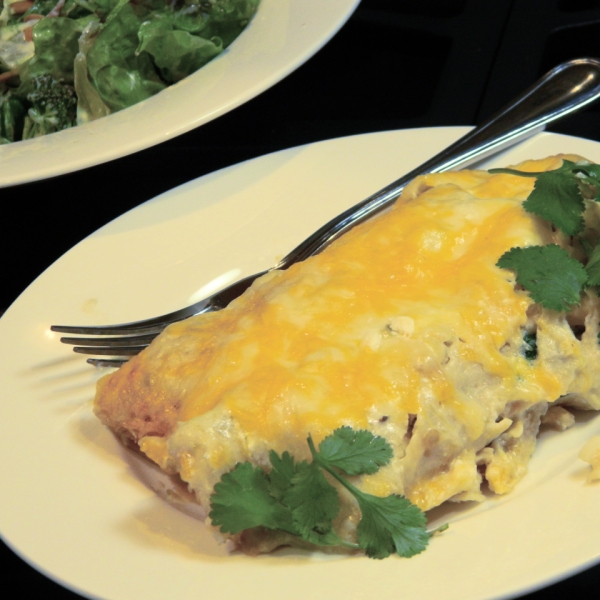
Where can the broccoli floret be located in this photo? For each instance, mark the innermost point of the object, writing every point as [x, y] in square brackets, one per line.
[53, 107]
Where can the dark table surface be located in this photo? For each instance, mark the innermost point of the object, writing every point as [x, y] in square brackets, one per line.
[395, 64]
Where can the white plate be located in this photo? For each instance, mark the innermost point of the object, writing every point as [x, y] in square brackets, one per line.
[72, 506]
[282, 36]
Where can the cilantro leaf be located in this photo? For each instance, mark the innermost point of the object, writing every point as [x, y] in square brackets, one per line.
[242, 501]
[281, 474]
[390, 524]
[355, 452]
[314, 502]
[593, 266]
[553, 278]
[557, 198]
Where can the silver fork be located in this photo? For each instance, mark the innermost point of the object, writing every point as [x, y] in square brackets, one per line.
[562, 91]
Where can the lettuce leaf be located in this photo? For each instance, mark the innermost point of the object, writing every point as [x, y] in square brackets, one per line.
[176, 53]
[228, 18]
[122, 77]
[192, 19]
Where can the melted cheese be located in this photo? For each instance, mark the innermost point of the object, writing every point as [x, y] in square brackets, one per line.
[405, 326]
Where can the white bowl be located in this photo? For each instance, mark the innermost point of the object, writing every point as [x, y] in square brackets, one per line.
[281, 37]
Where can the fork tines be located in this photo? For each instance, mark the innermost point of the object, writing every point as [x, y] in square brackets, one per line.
[122, 347]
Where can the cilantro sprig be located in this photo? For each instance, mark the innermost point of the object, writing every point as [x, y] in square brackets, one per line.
[558, 195]
[297, 498]
[553, 277]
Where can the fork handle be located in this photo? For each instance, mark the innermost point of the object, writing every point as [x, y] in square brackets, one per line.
[563, 90]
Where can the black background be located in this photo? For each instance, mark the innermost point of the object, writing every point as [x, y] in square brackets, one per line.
[395, 64]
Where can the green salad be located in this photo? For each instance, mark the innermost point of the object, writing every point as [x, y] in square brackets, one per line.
[66, 62]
